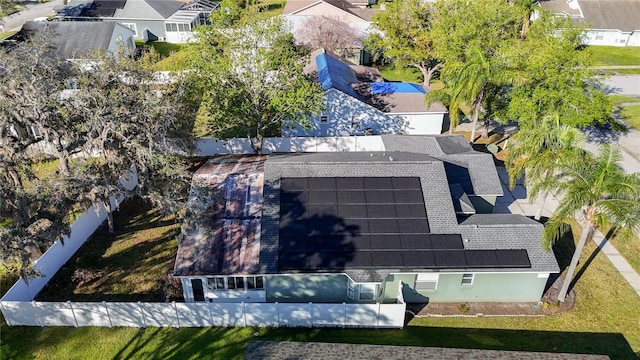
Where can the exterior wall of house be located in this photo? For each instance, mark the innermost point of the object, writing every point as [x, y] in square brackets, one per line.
[483, 204]
[317, 288]
[634, 39]
[122, 39]
[342, 113]
[423, 124]
[608, 37]
[208, 290]
[485, 287]
[144, 29]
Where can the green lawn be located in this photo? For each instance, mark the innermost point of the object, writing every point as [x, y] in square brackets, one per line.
[605, 320]
[396, 73]
[619, 99]
[631, 114]
[614, 55]
[132, 265]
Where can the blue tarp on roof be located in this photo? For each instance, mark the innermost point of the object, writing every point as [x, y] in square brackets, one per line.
[386, 88]
[333, 73]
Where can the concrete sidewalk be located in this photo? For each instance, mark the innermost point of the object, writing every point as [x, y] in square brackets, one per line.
[516, 201]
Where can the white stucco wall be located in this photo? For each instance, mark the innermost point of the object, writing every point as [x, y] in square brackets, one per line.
[606, 37]
[423, 124]
[127, 42]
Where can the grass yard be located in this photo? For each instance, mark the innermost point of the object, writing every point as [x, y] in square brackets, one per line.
[619, 99]
[614, 55]
[606, 320]
[631, 114]
[132, 265]
[396, 73]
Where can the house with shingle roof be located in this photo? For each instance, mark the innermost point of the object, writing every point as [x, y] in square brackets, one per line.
[609, 22]
[79, 40]
[356, 227]
[360, 102]
[354, 14]
[164, 20]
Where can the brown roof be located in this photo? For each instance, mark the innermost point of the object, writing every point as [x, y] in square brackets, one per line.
[612, 14]
[364, 13]
[221, 235]
[398, 102]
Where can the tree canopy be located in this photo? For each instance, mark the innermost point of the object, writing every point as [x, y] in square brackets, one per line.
[405, 36]
[251, 80]
[97, 119]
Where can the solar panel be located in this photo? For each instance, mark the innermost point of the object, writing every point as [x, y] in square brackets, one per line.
[380, 242]
[387, 258]
[351, 197]
[379, 197]
[450, 259]
[424, 259]
[513, 258]
[338, 223]
[481, 258]
[381, 211]
[413, 226]
[350, 183]
[405, 211]
[322, 197]
[446, 241]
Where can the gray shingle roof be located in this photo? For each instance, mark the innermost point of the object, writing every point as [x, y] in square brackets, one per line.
[611, 14]
[73, 39]
[473, 170]
[480, 231]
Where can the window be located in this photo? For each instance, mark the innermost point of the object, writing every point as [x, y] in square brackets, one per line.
[215, 283]
[133, 27]
[467, 280]
[350, 290]
[231, 283]
[255, 282]
[198, 291]
[184, 27]
[171, 27]
[426, 282]
[324, 118]
[367, 292]
[599, 36]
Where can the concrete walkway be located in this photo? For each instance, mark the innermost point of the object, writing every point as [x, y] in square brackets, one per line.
[516, 201]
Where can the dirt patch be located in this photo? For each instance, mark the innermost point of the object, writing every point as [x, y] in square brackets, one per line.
[548, 305]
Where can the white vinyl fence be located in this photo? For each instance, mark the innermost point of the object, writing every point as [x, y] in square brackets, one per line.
[202, 314]
[210, 147]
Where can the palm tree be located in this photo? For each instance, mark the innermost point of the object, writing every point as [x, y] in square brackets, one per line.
[468, 83]
[596, 192]
[536, 150]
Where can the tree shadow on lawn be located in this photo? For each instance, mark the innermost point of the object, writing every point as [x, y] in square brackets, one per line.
[131, 265]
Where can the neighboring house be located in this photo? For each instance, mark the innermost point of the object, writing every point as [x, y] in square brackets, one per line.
[610, 22]
[78, 40]
[357, 227]
[164, 20]
[297, 12]
[359, 102]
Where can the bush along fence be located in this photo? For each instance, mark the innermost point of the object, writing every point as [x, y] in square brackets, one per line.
[142, 314]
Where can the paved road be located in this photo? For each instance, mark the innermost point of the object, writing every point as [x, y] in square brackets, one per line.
[34, 10]
[623, 84]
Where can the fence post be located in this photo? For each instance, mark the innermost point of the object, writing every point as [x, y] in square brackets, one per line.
[144, 321]
[278, 312]
[378, 317]
[73, 313]
[344, 306]
[35, 305]
[104, 303]
[175, 307]
[244, 313]
[311, 313]
[210, 312]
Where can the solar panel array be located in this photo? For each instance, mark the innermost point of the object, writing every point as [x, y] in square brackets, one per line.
[355, 222]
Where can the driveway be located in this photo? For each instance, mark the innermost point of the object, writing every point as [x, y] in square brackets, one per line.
[33, 10]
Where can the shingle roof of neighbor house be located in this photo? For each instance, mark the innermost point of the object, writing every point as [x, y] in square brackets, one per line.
[611, 14]
[127, 9]
[73, 39]
[389, 97]
[362, 213]
[271, 350]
